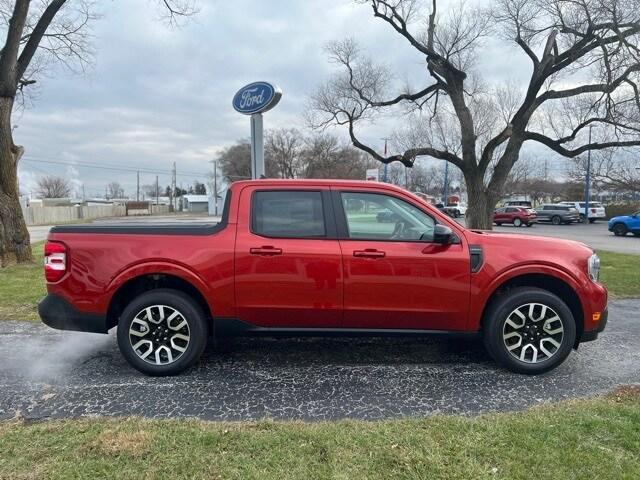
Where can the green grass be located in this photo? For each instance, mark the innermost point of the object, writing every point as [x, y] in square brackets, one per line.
[586, 439]
[620, 273]
[21, 287]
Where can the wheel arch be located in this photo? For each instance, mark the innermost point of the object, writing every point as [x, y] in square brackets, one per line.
[545, 281]
[144, 282]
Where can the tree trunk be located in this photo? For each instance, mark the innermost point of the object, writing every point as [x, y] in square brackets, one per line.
[14, 236]
[480, 203]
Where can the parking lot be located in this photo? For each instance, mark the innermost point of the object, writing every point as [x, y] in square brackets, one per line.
[595, 235]
[48, 373]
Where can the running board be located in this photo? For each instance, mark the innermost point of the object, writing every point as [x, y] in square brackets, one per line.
[232, 327]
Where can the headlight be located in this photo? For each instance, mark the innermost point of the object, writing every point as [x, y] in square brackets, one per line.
[594, 267]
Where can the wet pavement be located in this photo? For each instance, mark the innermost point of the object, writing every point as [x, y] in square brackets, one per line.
[46, 373]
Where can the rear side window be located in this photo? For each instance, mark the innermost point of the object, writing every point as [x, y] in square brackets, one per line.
[288, 214]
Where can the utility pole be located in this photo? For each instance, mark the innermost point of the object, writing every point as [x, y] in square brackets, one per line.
[83, 195]
[215, 187]
[386, 165]
[157, 190]
[587, 181]
[173, 187]
[446, 183]
[138, 186]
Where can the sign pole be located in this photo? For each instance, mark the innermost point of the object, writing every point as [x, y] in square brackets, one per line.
[257, 147]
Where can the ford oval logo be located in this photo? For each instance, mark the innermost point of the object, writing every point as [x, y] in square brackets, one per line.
[256, 97]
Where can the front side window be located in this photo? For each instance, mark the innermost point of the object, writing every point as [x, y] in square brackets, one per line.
[288, 214]
[372, 216]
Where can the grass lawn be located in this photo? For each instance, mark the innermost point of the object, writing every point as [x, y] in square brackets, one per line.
[594, 438]
[22, 286]
[620, 273]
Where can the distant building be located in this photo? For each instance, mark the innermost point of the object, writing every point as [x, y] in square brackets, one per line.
[195, 203]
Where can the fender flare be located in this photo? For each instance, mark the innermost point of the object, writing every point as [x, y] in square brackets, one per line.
[482, 297]
[160, 267]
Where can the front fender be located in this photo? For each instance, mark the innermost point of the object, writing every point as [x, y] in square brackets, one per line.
[487, 283]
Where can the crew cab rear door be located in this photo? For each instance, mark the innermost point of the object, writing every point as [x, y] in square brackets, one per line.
[393, 279]
[288, 263]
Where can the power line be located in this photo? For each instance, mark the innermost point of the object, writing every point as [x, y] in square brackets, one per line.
[102, 167]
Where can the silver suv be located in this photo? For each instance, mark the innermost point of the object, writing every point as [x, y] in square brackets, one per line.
[596, 210]
[557, 214]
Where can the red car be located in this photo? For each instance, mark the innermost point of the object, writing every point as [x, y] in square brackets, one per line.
[310, 257]
[518, 216]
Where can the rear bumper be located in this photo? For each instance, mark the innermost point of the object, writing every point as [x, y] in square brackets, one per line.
[57, 313]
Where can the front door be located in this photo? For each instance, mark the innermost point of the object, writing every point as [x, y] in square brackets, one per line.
[394, 276]
[288, 261]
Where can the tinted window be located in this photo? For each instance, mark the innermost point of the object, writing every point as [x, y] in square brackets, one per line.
[289, 214]
[374, 216]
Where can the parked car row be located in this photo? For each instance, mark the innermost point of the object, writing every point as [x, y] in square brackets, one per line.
[520, 212]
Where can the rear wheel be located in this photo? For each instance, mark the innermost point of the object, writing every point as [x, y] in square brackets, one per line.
[529, 330]
[517, 222]
[620, 230]
[498, 223]
[162, 332]
[592, 220]
[556, 220]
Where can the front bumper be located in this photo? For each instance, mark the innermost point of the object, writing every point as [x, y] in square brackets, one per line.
[57, 313]
[591, 335]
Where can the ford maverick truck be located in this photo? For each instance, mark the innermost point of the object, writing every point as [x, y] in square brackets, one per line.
[321, 257]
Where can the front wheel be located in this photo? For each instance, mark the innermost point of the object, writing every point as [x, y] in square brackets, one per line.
[162, 332]
[556, 220]
[620, 230]
[517, 222]
[529, 330]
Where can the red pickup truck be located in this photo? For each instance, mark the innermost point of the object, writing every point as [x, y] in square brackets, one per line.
[313, 257]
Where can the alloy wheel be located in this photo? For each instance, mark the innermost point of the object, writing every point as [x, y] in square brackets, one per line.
[159, 334]
[533, 333]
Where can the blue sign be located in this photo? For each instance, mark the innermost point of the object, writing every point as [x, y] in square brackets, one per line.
[256, 97]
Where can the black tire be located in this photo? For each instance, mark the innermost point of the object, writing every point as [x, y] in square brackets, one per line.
[556, 220]
[498, 223]
[592, 220]
[619, 230]
[517, 222]
[529, 224]
[636, 234]
[499, 312]
[188, 309]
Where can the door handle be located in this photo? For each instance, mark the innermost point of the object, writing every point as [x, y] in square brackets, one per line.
[369, 253]
[266, 251]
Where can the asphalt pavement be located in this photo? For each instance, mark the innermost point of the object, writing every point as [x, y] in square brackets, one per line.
[50, 374]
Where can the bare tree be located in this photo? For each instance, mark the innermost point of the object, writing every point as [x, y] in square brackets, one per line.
[115, 190]
[38, 35]
[325, 156]
[283, 149]
[584, 60]
[53, 187]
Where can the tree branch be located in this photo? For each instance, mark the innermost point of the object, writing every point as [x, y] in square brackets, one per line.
[557, 147]
[36, 35]
[409, 156]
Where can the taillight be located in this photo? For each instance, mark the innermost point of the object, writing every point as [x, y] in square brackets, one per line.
[55, 261]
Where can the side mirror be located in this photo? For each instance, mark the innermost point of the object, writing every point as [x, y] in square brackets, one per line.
[442, 235]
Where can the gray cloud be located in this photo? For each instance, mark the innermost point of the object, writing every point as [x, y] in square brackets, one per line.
[158, 95]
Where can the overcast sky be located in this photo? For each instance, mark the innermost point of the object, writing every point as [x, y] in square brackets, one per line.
[157, 95]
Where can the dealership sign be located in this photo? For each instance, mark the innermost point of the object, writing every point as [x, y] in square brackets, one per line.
[256, 97]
